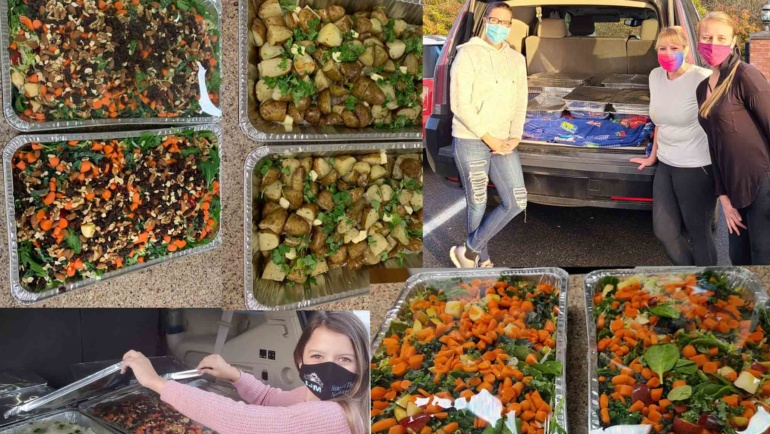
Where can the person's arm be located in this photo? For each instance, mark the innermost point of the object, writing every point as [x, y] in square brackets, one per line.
[755, 92]
[254, 391]
[520, 100]
[463, 74]
[229, 417]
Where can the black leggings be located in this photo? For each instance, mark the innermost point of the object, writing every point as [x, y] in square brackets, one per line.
[752, 246]
[685, 195]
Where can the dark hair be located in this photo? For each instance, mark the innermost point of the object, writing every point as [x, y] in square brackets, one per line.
[356, 402]
[497, 5]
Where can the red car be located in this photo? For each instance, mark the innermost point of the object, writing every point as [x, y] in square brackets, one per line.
[432, 45]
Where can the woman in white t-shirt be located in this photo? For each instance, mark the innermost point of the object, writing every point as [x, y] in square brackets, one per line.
[683, 191]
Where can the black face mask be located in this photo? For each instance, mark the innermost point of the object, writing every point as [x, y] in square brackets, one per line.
[327, 380]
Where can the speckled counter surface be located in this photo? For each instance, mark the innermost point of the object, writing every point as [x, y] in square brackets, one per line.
[577, 373]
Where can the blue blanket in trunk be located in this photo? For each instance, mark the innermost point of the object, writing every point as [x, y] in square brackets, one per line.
[607, 133]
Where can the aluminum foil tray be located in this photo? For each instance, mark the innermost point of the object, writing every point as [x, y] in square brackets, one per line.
[735, 276]
[546, 102]
[25, 296]
[11, 400]
[14, 380]
[627, 81]
[558, 79]
[129, 392]
[557, 277]
[590, 98]
[263, 131]
[214, 8]
[339, 283]
[70, 416]
[632, 101]
[577, 114]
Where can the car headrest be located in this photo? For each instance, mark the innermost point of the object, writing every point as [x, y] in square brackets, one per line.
[552, 28]
[582, 25]
[649, 29]
[524, 13]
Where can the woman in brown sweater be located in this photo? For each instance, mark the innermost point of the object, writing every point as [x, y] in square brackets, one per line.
[735, 113]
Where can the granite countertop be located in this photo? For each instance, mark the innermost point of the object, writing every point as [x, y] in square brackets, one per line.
[577, 374]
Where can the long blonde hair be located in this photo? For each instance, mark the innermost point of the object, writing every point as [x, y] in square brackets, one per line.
[722, 89]
[356, 402]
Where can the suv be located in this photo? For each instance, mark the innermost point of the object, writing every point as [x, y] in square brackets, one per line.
[432, 45]
[559, 174]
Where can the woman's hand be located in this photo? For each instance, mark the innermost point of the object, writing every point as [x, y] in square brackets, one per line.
[732, 216]
[645, 162]
[496, 145]
[217, 367]
[510, 145]
[143, 371]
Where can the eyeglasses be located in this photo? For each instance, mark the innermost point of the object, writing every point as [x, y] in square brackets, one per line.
[493, 20]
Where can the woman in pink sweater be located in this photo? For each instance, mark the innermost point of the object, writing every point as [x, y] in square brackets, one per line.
[332, 357]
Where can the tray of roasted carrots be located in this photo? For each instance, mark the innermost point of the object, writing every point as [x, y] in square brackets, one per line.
[87, 207]
[678, 350]
[473, 351]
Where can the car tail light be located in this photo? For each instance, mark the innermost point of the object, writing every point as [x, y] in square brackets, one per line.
[441, 77]
[425, 98]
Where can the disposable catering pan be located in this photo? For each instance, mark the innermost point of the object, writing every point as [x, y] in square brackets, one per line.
[453, 286]
[632, 101]
[590, 98]
[546, 106]
[151, 89]
[91, 425]
[338, 283]
[627, 81]
[31, 260]
[260, 130]
[735, 277]
[11, 400]
[124, 400]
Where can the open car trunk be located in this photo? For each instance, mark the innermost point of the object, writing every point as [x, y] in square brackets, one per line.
[565, 59]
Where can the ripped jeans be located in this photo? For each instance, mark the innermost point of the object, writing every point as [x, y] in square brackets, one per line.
[477, 166]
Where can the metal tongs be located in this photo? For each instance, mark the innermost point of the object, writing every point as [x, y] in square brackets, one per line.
[183, 375]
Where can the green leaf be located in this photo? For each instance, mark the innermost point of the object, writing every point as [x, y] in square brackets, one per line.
[210, 166]
[665, 311]
[552, 367]
[661, 358]
[288, 5]
[73, 241]
[680, 393]
[387, 31]
[685, 367]
[376, 205]
[350, 103]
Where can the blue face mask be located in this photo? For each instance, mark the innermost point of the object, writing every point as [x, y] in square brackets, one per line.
[496, 33]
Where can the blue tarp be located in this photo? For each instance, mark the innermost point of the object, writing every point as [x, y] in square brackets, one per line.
[608, 133]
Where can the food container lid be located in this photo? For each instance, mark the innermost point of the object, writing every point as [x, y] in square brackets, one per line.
[546, 102]
[19, 397]
[162, 365]
[637, 79]
[72, 393]
[632, 96]
[558, 79]
[592, 94]
[17, 379]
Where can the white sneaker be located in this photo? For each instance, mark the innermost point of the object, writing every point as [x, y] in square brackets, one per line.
[457, 254]
[487, 264]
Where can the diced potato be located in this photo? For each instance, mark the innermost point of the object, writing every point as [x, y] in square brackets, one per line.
[344, 164]
[376, 26]
[350, 235]
[399, 27]
[272, 192]
[409, 113]
[31, 89]
[295, 198]
[362, 167]
[258, 32]
[396, 49]
[263, 92]
[273, 271]
[307, 164]
[374, 194]
[371, 216]
[17, 78]
[268, 241]
[321, 81]
[268, 51]
[389, 66]
[296, 225]
[309, 212]
[277, 35]
[378, 172]
[399, 233]
[304, 65]
[367, 57]
[275, 67]
[286, 174]
[320, 268]
[275, 221]
[416, 201]
[405, 197]
[387, 192]
[377, 244]
[330, 35]
[390, 95]
[321, 167]
[345, 225]
[270, 8]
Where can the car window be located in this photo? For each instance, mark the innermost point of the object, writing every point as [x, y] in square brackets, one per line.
[430, 56]
[616, 30]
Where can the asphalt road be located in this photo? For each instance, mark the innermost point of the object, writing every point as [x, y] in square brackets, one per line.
[551, 236]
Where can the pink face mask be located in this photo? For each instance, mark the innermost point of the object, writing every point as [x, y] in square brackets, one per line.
[714, 54]
[671, 62]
